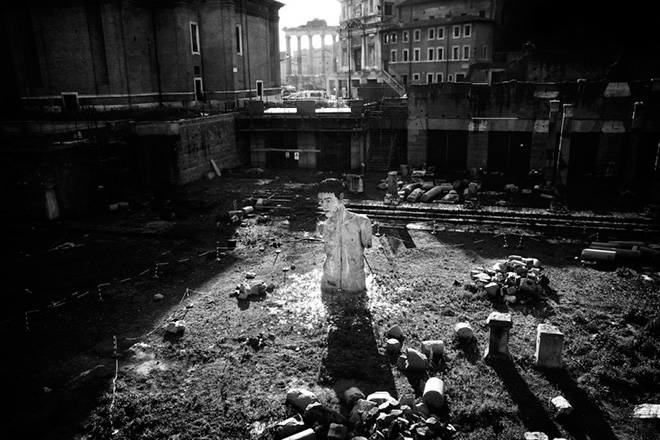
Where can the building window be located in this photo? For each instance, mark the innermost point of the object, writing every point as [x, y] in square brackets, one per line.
[457, 31]
[438, 77]
[441, 33]
[415, 76]
[344, 56]
[450, 78]
[467, 30]
[455, 53]
[405, 36]
[405, 55]
[239, 39]
[194, 38]
[431, 34]
[431, 54]
[441, 54]
[466, 52]
[393, 56]
[485, 54]
[416, 54]
[417, 35]
[199, 90]
[460, 77]
[429, 78]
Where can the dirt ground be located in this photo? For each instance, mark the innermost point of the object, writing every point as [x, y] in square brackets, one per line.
[86, 303]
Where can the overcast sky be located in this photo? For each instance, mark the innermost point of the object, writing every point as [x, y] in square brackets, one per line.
[295, 13]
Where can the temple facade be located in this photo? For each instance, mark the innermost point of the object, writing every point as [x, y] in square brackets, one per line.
[312, 67]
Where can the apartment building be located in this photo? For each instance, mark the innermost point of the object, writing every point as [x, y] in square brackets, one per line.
[437, 50]
[405, 42]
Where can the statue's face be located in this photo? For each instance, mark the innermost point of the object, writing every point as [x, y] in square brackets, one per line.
[329, 203]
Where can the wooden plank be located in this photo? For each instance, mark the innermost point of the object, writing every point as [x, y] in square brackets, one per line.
[215, 167]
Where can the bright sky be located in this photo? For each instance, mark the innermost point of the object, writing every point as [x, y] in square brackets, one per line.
[296, 13]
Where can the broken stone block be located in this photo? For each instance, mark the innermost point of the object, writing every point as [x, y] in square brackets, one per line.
[379, 397]
[492, 289]
[498, 346]
[433, 349]
[288, 427]
[421, 409]
[416, 360]
[422, 431]
[451, 196]
[536, 436]
[385, 419]
[498, 267]
[360, 407]
[527, 286]
[647, 411]
[316, 413]
[562, 406]
[415, 195]
[395, 332]
[463, 330]
[549, 344]
[401, 362]
[393, 346]
[434, 393]
[158, 297]
[300, 399]
[352, 395]
[407, 401]
[176, 327]
[307, 434]
[337, 432]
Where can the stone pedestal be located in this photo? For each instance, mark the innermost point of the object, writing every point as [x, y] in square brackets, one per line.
[549, 343]
[498, 346]
[392, 182]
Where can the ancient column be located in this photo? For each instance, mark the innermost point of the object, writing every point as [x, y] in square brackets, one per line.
[299, 38]
[311, 53]
[323, 54]
[335, 61]
[288, 55]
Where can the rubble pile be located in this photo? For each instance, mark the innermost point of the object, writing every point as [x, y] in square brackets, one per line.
[377, 416]
[515, 280]
[420, 186]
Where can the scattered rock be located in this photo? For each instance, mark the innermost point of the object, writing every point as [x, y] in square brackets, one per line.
[562, 406]
[176, 327]
[395, 332]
